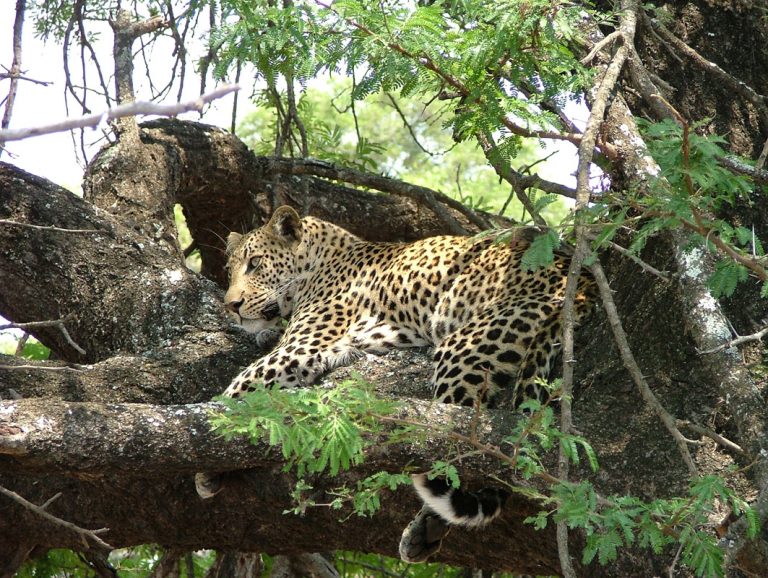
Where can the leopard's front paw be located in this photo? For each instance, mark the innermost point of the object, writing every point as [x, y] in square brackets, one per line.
[422, 537]
[207, 484]
[268, 338]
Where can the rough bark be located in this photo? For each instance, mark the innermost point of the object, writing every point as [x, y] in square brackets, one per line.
[185, 352]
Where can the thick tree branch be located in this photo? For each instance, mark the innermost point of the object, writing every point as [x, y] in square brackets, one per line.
[422, 195]
[141, 444]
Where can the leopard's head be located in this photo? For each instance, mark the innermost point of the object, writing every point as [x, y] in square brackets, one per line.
[263, 268]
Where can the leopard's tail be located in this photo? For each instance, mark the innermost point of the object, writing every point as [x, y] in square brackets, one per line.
[456, 506]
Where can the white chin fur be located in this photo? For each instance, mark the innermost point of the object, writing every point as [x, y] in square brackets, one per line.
[257, 325]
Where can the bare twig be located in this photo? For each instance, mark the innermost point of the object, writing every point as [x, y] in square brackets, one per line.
[58, 323]
[85, 535]
[51, 500]
[758, 336]
[51, 228]
[615, 35]
[738, 166]
[705, 431]
[642, 264]
[4, 75]
[132, 109]
[407, 124]
[702, 229]
[70, 367]
[672, 567]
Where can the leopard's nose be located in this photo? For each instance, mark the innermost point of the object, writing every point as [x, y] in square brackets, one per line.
[233, 306]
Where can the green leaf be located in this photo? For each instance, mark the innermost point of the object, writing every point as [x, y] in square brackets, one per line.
[727, 275]
[541, 252]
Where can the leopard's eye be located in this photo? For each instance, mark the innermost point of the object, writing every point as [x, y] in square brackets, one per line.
[253, 264]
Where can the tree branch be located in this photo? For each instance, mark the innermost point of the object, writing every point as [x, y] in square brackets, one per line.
[121, 111]
[422, 195]
[15, 70]
[85, 535]
[58, 323]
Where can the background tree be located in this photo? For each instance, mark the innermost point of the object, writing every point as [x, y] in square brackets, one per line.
[673, 218]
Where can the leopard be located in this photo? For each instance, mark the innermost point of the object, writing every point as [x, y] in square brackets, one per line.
[492, 323]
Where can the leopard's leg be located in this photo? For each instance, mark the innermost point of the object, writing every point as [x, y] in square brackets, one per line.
[491, 352]
[473, 363]
[377, 334]
[298, 360]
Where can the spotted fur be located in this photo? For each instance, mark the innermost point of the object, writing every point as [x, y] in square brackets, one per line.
[494, 326]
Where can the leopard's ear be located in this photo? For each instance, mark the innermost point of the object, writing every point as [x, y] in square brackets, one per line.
[232, 240]
[286, 224]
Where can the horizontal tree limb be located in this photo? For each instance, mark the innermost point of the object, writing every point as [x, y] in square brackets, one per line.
[81, 438]
[143, 457]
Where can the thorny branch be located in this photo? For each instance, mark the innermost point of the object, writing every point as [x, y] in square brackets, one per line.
[12, 223]
[739, 340]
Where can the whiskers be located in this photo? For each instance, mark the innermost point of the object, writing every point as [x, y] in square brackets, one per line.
[280, 290]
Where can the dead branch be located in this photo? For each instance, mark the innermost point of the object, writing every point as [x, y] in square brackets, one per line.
[705, 431]
[58, 323]
[12, 223]
[70, 367]
[121, 111]
[642, 264]
[740, 340]
[85, 535]
[14, 71]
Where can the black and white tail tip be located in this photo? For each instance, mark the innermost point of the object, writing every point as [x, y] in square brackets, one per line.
[458, 507]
